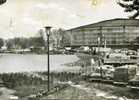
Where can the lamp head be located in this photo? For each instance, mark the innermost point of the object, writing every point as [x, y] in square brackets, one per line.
[47, 28]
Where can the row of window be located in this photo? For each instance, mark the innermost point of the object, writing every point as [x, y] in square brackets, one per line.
[95, 43]
[106, 35]
[93, 37]
[108, 30]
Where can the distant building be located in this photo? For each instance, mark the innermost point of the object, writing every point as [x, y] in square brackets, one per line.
[112, 33]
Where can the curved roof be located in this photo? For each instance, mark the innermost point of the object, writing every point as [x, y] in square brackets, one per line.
[112, 22]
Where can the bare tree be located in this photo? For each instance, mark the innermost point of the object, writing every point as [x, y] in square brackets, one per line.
[57, 36]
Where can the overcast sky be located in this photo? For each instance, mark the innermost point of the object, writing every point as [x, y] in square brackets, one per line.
[26, 17]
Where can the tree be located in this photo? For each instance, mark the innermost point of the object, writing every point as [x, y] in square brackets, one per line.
[9, 44]
[57, 36]
[18, 43]
[130, 6]
[24, 43]
[66, 39]
[1, 42]
[2, 1]
[37, 42]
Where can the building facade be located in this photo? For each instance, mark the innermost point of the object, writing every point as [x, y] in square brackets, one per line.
[115, 32]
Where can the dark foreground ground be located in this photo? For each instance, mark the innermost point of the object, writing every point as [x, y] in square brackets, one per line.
[94, 91]
[25, 85]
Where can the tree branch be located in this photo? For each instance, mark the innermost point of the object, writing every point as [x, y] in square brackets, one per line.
[135, 15]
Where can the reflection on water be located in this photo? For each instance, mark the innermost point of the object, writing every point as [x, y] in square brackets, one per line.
[33, 62]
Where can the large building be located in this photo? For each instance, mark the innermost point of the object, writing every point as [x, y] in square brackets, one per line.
[112, 33]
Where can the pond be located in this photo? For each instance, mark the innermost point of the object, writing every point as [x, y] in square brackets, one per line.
[34, 62]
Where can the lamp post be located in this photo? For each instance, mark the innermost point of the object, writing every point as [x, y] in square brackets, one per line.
[47, 29]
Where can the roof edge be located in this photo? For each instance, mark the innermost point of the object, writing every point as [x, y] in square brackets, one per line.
[100, 22]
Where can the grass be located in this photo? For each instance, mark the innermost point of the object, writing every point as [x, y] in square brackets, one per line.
[33, 86]
[26, 90]
[72, 93]
[131, 94]
[115, 90]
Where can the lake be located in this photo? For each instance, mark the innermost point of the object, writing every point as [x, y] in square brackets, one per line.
[34, 62]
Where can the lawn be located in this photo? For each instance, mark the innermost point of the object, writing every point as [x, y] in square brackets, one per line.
[26, 90]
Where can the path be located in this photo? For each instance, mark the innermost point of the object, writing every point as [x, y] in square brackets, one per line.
[6, 94]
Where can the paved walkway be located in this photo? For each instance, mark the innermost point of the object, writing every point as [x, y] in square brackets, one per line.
[6, 94]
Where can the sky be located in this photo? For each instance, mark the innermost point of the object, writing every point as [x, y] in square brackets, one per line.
[24, 18]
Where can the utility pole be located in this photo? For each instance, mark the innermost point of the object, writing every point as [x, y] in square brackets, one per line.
[99, 65]
[99, 45]
[47, 29]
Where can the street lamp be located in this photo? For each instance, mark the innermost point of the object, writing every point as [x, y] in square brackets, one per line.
[48, 29]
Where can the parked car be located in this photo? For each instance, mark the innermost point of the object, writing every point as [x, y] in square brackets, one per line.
[134, 83]
[124, 73]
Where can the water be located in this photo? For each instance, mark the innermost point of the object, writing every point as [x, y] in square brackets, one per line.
[34, 62]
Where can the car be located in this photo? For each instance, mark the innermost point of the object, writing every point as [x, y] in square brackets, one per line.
[134, 83]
